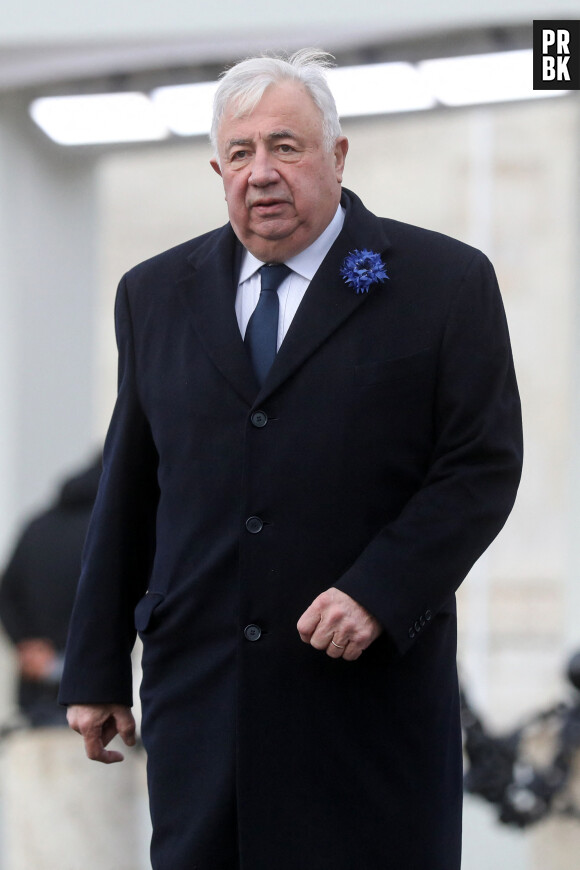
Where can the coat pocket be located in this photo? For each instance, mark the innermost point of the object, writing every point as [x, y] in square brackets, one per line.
[146, 608]
[406, 369]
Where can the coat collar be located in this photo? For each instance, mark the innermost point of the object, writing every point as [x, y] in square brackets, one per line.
[328, 302]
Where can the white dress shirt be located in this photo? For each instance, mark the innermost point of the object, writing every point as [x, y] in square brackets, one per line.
[292, 289]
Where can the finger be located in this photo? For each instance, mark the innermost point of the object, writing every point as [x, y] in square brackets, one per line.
[108, 731]
[119, 722]
[95, 749]
[308, 623]
[108, 756]
[321, 638]
[352, 652]
[125, 726]
[336, 648]
[128, 735]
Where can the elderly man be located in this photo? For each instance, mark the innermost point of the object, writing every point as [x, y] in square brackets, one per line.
[316, 435]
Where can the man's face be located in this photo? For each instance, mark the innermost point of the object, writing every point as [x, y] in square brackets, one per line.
[282, 186]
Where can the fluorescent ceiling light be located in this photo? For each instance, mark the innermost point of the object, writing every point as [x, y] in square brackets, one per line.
[98, 118]
[378, 88]
[186, 109]
[483, 78]
[358, 90]
[382, 88]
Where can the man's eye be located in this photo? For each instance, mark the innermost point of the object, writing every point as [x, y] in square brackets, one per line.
[239, 155]
[285, 148]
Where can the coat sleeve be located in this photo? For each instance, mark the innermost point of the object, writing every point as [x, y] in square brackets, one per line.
[412, 568]
[120, 545]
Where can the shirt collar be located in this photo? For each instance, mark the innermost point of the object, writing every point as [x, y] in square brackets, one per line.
[307, 262]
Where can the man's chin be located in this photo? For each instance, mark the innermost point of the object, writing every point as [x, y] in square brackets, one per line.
[274, 241]
[273, 228]
[274, 250]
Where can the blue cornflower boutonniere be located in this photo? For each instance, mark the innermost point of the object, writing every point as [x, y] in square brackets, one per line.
[363, 268]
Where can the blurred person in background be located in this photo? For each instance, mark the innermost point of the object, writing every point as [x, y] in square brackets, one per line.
[37, 594]
[317, 433]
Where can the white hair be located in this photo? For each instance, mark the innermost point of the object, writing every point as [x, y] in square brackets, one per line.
[244, 85]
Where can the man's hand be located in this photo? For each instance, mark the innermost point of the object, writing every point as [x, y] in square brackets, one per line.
[98, 724]
[36, 658]
[337, 623]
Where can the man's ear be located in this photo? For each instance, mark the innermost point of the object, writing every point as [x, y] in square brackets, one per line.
[340, 152]
[215, 166]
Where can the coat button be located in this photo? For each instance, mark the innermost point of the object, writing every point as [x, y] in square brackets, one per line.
[252, 632]
[259, 419]
[254, 525]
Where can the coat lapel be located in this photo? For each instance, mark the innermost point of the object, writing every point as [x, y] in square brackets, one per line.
[209, 294]
[329, 301]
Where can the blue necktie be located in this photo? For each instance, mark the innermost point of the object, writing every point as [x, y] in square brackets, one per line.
[261, 336]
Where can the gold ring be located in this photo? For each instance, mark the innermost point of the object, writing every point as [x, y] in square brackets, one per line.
[336, 645]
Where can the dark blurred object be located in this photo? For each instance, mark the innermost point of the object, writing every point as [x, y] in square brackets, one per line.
[503, 771]
[37, 594]
[573, 672]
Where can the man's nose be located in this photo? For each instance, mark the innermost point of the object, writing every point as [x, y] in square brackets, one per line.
[263, 169]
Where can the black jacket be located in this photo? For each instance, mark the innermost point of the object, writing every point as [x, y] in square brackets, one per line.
[385, 458]
[39, 583]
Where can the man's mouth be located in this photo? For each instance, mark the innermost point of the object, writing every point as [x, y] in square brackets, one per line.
[268, 206]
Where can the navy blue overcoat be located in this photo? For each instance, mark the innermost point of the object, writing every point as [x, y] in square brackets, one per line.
[381, 456]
